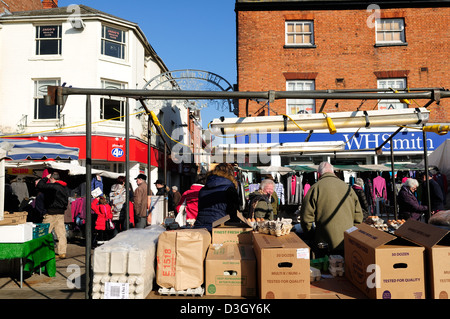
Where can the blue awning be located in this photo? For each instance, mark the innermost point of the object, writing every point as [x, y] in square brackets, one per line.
[17, 149]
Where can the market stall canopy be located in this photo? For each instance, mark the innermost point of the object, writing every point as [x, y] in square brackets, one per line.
[304, 168]
[440, 158]
[275, 169]
[406, 167]
[73, 169]
[17, 149]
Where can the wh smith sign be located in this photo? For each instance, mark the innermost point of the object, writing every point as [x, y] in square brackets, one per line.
[411, 141]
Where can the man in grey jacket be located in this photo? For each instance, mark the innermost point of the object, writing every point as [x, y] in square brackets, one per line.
[333, 207]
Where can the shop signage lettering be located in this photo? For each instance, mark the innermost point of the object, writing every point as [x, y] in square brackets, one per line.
[407, 143]
[117, 152]
[411, 140]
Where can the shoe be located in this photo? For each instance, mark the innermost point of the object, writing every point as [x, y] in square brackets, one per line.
[61, 256]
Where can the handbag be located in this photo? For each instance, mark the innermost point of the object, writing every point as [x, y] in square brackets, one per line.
[181, 216]
[110, 225]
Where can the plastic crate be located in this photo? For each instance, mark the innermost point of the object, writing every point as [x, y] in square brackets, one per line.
[40, 230]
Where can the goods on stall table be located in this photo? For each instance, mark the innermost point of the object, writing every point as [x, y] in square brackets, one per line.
[15, 218]
[336, 265]
[376, 222]
[279, 227]
[199, 291]
[315, 274]
[40, 230]
[396, 223]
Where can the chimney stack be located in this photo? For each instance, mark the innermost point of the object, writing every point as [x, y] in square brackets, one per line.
[49, 4]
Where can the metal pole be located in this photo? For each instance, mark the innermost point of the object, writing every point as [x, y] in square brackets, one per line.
[127, 164]
[88, 196]
[265, 95]
[394, 188]
[165, 180]
[425, 157]
[149, 155]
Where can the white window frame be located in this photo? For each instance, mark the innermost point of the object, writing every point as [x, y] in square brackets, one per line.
[300, 106]
[398, 84]
[39, 40]
[385, 27]
[113, 85]
[40, 89]
[301, 34]
[122, 44]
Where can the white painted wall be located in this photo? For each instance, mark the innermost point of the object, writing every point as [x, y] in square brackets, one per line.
[81, 64]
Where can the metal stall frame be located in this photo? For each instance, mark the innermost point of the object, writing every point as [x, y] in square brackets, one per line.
[58, 95]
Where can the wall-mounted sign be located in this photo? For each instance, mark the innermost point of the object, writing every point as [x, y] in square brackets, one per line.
[116, 151]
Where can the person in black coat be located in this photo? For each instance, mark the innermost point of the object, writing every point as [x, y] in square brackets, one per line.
[218, 198]
[409, 206]
[436, 195]
[358, 187]
[56, 200]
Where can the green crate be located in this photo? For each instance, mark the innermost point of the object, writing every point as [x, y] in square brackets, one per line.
[40, 230]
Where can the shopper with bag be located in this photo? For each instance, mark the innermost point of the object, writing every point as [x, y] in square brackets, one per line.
[103, 224]
[187, 207]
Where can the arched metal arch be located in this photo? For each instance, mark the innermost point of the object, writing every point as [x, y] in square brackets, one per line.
[184, 80]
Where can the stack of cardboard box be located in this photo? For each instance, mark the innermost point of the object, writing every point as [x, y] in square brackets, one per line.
[383, 266]
[244, 263]
[436, 241]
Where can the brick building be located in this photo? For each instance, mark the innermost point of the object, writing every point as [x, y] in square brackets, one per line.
[321, 45]
[24, 5]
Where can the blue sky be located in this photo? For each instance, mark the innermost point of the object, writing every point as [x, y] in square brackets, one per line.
[196, 34]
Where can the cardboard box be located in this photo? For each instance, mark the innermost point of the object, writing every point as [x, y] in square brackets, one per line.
[180, 258]
[383, 266]
[283, 266]
[226, 232]
[230, 271]
[436, 241]
[16, 233]
[16, 218]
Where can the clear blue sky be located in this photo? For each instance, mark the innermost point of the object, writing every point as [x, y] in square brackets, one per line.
[196, 34]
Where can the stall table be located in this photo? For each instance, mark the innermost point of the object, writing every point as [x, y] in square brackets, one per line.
[33, 254]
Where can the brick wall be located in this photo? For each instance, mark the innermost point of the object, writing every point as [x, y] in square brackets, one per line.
[345, 50]
[20, 5]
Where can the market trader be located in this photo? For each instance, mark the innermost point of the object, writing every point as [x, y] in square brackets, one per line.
[333, 206]
[56, 200]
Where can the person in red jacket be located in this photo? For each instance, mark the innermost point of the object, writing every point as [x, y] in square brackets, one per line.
[190, 200]
[104, 216]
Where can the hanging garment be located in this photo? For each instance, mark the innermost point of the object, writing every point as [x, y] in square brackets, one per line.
[299, 190]
[253, 187]
[306, 189]
[20, 189]
[290, 191]
[379, 187]
[368, 189]
[279, 189]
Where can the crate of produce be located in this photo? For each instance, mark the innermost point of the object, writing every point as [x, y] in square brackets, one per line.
[40, 230]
